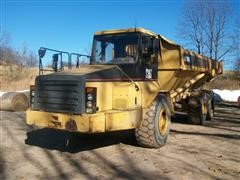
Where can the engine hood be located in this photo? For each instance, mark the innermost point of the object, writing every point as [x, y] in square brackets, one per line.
[93, 73]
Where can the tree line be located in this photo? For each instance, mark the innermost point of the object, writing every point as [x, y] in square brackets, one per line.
[11, 56]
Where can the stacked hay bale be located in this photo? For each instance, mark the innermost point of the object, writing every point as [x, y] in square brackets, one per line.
[14, 101]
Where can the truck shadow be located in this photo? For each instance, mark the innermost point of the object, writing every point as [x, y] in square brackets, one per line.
[179, 117]
[228, 136]
[74, 142]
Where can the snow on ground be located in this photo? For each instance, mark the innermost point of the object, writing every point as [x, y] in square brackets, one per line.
[228, 95]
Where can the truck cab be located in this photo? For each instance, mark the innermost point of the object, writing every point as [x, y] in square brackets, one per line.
[134, 52]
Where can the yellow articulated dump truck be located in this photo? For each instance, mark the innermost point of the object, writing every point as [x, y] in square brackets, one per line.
[135, 80]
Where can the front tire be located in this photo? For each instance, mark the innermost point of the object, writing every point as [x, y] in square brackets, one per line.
[155, 127]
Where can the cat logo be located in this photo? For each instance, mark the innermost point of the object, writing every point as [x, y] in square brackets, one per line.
[148, 73]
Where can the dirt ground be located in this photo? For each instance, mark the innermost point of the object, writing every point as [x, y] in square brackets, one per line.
[204, 152]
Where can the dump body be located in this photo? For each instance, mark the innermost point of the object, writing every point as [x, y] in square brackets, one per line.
[181, 70]
[128, 70]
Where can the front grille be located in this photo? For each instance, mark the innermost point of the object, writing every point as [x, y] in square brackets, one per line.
[60, 94]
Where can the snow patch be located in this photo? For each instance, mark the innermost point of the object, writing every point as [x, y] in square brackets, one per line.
[228, 95]
[22, 91]
[1, 93]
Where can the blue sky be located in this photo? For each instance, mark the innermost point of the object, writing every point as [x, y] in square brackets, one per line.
[69, 25]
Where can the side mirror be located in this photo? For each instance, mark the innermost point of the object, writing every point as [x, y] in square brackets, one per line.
[55, 62]
[41, 52]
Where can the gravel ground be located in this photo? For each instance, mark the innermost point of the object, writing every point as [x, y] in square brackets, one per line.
[204, 152]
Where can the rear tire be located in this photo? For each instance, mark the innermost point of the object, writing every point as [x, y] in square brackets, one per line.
[197, 115]
[154, 129]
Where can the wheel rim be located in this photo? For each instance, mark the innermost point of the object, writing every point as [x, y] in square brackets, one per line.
[204, 108]
[163, 122]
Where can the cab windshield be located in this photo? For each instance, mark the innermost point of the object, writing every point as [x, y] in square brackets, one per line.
[115, 49]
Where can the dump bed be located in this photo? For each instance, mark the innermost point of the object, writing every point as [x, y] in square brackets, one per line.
[180, 69]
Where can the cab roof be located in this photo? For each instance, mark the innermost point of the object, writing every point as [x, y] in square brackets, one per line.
[117, 31]
[138, 29]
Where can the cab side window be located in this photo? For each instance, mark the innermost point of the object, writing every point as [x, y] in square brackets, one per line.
[149, 59]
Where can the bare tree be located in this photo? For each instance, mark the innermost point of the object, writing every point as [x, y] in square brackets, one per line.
[217, 15]
[190, 28]
[204, 27]
[32, 59]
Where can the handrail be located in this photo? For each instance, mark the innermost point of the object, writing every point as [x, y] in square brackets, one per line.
[78, 56]
[42, 51]
[41, 55]
[49, 49]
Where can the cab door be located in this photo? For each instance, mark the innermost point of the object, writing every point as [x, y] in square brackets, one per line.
[149, 57]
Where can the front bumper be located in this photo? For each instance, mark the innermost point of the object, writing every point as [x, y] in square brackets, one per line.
[87, 123]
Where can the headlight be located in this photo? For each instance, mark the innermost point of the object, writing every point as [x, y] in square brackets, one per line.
[89, 110]
[89, 97]
[89, 104]
[91, 100]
